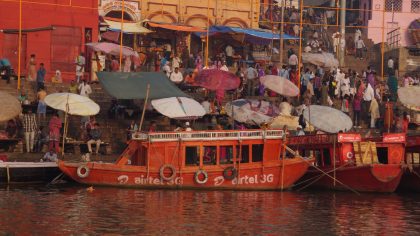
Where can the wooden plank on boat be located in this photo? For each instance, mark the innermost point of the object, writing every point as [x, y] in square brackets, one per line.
[365, 153]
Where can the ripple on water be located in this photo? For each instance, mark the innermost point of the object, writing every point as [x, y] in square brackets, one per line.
[73, 210]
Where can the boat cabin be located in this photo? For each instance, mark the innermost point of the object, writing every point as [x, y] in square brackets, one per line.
[412, 151]
[349, 149]
[199, 149]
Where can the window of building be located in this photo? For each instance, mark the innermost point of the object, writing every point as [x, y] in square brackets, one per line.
[242, 155]
[209, 155]
[415, 5]
[393, 5]
[192, 155]
[65, 46]
[225, 154]
[257, 152]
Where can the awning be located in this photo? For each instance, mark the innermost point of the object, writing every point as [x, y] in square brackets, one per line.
[16, 31]
[177, 27]
[129, 27]
[257, 36]
[133, 85]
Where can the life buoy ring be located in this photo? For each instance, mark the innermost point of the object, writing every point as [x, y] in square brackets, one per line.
[198, 174]
[230, 173]
[83, 171]
[349, 155]
[162, 172]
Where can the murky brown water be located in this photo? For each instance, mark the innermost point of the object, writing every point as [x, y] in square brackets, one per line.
[65, 210]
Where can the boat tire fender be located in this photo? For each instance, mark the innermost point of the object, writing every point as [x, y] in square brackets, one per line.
[83, 171]
[230, 173]
[198, 174]
[162, 170]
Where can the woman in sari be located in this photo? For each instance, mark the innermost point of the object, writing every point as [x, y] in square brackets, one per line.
[32, 68]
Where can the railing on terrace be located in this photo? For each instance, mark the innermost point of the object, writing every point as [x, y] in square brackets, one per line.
[208, 135]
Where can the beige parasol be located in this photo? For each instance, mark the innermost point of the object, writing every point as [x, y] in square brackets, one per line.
[409, 96]
[10, 108]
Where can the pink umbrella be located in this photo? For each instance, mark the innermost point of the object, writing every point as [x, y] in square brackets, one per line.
[112, 48]
[214, 79]
[280, 85]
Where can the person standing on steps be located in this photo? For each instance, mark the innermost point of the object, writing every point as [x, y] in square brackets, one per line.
[29, 127]
[80, 67]
[40, 76]
[360, 45]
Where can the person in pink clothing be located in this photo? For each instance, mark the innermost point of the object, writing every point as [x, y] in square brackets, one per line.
[54, 126]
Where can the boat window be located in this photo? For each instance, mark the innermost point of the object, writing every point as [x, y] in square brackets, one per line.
[225, 154]
[192, 156]
[326, 157]
[382, 154]
[209, 155]
[257, 152]
[244, 157]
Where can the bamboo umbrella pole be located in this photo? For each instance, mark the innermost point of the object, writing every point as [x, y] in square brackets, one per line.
[144, 106]
[19, 43]
[334, 151]
[121, 32]
[300, 43]
[65, 126]
[207, 37]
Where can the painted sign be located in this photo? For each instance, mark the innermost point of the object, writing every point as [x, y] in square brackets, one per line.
[132, 8]
[246, 179]
[143, 180]
[349, 138]
[394, 138]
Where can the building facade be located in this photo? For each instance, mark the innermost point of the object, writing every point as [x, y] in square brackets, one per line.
[54, 31]
[238, 13]
[388, 20]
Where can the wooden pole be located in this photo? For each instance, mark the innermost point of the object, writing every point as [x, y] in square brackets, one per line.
[206, 59]
[19, 43]
[334, 158]
[300, 43]
[121, 32]
[383, 41]
[283, 5]
[65, 126]
[144, 106]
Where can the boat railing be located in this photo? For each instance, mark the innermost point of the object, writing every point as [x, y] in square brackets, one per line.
[208, 135]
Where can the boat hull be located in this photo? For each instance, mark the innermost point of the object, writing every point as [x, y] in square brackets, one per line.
[367, 178]
[249, 178]
[410, 180]
[28, 172]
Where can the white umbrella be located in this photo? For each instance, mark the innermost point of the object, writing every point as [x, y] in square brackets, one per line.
[112, 48]
[280, 85]
[77, 104]
[72, 104]
[327, 119]
[327, 60]
[409, 96]
[179, 108]
[241, 112]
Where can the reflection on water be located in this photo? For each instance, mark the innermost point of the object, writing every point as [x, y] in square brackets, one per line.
[73, 210]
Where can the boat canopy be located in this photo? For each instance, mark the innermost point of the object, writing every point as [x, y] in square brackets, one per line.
[122, 85]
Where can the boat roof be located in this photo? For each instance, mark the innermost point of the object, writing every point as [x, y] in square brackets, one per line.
[208, 135]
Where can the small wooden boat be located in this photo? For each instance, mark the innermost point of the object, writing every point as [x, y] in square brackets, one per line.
[346, 162]
[28, 172]
[236, 160]
[411, 176]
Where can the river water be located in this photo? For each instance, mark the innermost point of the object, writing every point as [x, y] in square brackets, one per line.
[70, 209]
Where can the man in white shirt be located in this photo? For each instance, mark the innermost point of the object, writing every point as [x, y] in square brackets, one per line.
[167, 69]
[176, 61]
[251, 75]
[80, 66]
[360, 45]
[229, 55]
[176, 76]
[368, 95]
[85, 89]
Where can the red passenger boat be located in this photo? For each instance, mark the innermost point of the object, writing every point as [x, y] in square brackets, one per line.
[346, 162]
[216, 160]
[411, 176]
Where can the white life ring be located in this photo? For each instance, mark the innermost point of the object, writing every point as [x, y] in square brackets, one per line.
[349, 155]
[162, 170]
[83, 171]
[197, 177]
